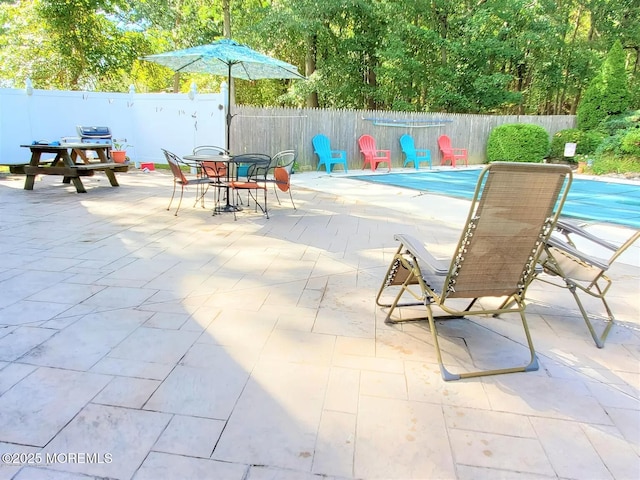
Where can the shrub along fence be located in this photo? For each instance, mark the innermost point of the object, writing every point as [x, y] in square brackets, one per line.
[269, 130]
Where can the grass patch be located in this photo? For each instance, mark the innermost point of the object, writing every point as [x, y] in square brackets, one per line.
[616, 164]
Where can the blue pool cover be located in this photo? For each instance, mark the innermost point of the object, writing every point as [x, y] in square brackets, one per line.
[590, 200]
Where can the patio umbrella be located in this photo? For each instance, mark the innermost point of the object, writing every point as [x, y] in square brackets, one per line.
[229, 58]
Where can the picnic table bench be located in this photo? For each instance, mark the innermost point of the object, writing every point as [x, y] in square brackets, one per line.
[65, 164]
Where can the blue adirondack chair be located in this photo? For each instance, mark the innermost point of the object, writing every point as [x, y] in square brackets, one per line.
[412, 154]
[328, 157]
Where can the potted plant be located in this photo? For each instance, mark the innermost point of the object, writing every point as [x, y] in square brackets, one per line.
[582, 163]
[119, 151]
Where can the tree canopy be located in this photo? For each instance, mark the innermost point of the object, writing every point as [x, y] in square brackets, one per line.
[471, 56]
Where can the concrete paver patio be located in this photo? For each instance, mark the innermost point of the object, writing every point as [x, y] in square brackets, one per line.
[135, 344]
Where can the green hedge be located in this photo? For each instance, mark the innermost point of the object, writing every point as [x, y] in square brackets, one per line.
[518, 142]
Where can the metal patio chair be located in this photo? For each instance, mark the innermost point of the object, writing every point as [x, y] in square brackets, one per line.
[280, 171]
[181, 178]
[215, 170]
[256, 179]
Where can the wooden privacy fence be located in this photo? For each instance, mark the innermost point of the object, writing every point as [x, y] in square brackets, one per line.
[270, 130]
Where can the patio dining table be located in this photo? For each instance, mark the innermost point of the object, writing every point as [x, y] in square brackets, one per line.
[197, 160]
[233, 163]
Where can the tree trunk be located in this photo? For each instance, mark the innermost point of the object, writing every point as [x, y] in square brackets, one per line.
[574, 107]
[569, 58]
[226, 30]
[521, 70]
[226, 12]
[442, 27]
[371, 81]
[176, 82]
[310, 67]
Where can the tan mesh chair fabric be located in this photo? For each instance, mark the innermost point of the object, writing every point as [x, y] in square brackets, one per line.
[504, 231]
[514, 209]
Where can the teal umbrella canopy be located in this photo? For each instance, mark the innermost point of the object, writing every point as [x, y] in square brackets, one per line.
[227, 58]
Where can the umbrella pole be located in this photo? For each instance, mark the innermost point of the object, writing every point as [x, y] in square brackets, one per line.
[228, 207]
[228, 131]
[229, 117]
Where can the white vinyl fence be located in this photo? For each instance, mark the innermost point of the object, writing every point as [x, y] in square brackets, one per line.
[148, 122]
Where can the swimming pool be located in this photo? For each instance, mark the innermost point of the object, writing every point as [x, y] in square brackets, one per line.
[591, 200]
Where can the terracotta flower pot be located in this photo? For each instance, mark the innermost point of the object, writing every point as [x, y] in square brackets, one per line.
[119, 156]
[582, 166]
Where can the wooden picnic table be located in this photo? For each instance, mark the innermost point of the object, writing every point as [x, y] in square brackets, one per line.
[65, 163]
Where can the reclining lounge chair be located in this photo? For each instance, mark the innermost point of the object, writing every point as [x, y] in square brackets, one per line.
[511, 216]
[570, 268]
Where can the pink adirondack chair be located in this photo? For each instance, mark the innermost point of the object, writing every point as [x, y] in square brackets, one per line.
[373, 156]
[451, 154]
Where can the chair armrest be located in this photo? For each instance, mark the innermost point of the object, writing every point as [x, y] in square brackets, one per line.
[568, 249]
[459, 151]
[190, 163]
[423, 151]
[339, 153]
[425, 259]
[567, 227]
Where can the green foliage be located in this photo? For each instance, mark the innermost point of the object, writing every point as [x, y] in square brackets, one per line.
[619, 152]
[616, 123]
[630, 143]
[73, 45]
[591, 110]
[608, 93]
[586, 142]
[610, 145]
[498, 56]
[617, 97]
[618, 128]
[615, 164]
[518, 142]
